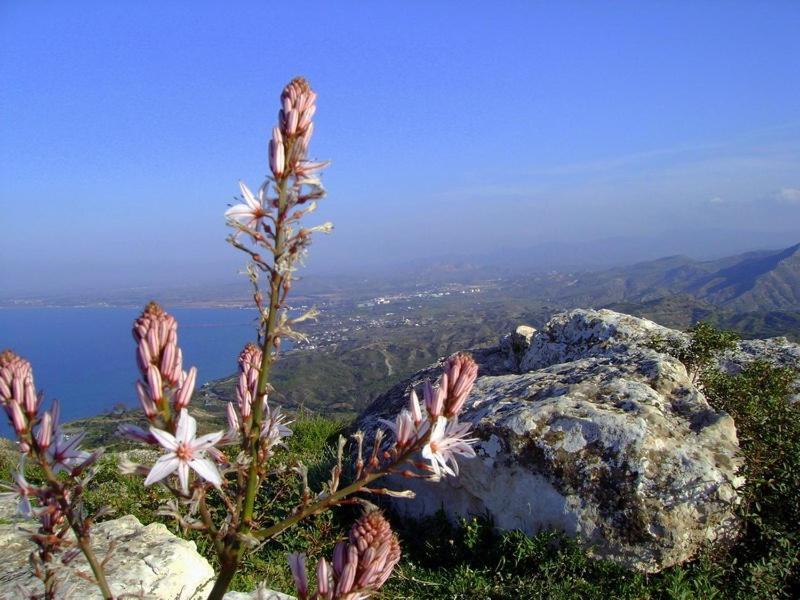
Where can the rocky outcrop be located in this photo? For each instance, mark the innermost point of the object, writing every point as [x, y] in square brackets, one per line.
[586, 429]
[777, 351]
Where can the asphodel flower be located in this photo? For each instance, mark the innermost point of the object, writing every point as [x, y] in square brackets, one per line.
[185, 451]
[448, 439]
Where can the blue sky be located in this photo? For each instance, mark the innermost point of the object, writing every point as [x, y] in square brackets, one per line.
[453, 127]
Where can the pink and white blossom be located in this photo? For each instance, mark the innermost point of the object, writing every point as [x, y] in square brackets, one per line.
[249, 212]
[185, 451]
[275, 427]
[447, 440]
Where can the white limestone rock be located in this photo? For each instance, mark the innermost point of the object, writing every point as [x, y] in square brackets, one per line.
[601, 437]
[515, 344]
[146, 561]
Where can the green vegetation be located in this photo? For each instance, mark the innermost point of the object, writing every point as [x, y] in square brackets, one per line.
[698, 354]
[470, 560]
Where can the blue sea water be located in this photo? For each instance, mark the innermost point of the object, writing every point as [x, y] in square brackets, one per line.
[85, 357]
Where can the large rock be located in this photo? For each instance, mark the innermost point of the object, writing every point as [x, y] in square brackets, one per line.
[599, 436]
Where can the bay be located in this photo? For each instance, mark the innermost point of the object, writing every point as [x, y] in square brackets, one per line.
[85, 357]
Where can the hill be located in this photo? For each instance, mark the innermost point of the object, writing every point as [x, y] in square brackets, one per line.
[750, 282]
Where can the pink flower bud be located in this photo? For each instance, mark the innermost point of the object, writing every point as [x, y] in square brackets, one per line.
[134, 432]
[461, 371]
[31, 399]
[153, 341]
[154, 381]
[148, 406]
[339, 558]
[168, 360]
[413, 404]
[276, 159]
[5, 391]
[143, 357]
[434, 399]
[297, 564]
[184, 394]
[305, 120]
[323, 578]
[305, 140]
[18, 420]
[233, 418]
[291, 122]
[18, 387]
[44, 436]
[348, 577]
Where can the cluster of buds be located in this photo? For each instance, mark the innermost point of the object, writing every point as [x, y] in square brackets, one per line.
[361, 565]
[164, 393]
[290, 139]
[274, 425]
[38, 436]
[247, 384]
[58, 503]
[17, 392]
[165, 388]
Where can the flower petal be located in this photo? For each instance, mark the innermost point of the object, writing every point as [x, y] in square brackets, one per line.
[240, 212]
[165, 438]
[248, 196]
[183, 475]
[206, 441]
[187, 427]
[207, 470]
[163, 467]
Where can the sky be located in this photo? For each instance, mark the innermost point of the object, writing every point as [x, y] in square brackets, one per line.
[454, 128]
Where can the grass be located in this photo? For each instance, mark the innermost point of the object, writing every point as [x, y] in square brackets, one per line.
[470, 560]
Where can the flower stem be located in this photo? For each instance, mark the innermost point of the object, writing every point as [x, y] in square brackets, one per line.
[78, 527]
[229, 558]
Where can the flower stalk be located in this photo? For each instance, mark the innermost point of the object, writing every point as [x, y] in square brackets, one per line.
[59, 501]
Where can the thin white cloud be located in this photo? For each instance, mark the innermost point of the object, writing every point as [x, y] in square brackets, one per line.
[717, 200]
[789, 195]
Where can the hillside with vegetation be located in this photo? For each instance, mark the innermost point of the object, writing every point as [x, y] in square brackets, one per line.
[470, 560]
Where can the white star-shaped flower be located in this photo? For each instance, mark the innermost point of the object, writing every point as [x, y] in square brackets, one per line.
[185, 450]
[248, 212]
[447, 440]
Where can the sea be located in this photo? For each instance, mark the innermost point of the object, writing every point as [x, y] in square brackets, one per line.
[86, 357]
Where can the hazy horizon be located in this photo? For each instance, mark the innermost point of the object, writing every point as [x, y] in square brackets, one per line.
[559, 135]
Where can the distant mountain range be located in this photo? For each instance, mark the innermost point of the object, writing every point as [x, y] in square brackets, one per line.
[754, 281]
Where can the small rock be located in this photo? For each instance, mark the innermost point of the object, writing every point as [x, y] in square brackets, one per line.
[145, 560]
[515, 344]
